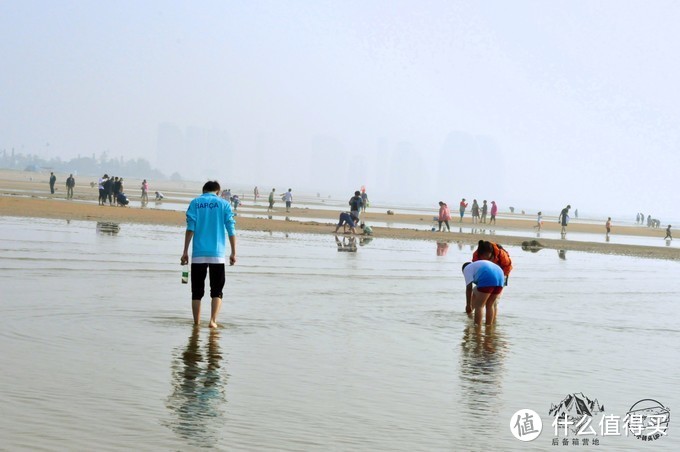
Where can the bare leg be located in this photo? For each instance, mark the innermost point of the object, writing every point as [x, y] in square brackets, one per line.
[196, 310]
[491, 309]
[479, 299]
[495, 306]
[214, 310]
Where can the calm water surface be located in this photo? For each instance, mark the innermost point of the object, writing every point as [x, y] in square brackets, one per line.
[317, 349]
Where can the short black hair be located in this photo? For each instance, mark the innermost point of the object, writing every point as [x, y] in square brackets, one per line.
[211, 186]
[465, 265]
[357, 193]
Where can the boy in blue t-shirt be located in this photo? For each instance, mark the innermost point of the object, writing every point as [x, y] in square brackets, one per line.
[209, 220]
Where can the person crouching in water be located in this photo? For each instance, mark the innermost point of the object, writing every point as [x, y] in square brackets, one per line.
[347, 219]
[488, 280]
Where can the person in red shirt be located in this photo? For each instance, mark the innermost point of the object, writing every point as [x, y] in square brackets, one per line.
[444, 215]
[463, 205]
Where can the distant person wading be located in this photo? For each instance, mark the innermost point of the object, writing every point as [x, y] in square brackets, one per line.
[271, 200]
[563, 219]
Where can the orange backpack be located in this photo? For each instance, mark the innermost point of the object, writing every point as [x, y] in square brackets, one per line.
[500, 258]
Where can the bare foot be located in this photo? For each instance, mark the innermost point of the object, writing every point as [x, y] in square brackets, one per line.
[213, 324]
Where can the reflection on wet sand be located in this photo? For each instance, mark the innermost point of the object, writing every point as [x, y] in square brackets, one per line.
[442, 248]
[562, 254]
[533, 246]
[481, 367]
[198, 400]
[363, 241]
[348, 244]
[107, 228]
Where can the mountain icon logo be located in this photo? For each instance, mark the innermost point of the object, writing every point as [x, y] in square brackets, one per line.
[574, 407]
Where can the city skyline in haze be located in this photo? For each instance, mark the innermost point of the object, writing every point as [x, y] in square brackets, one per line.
[537, 104]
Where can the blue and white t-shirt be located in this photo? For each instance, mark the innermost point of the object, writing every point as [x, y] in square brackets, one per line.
[209, 217]
[484, 274]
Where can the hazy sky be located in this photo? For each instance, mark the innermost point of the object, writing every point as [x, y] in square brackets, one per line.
[532, 103]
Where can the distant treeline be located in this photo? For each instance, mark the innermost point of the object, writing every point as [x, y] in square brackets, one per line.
[84, 166]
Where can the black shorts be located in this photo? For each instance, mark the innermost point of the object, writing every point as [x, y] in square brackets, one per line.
[217, 280]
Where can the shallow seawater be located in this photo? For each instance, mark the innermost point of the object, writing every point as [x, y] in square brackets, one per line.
[364, 349]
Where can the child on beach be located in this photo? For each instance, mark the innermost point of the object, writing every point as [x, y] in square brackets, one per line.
[487, 279]
[462, 207]
[145, 191]
[668, 233]
[539, 221]
[608, 225]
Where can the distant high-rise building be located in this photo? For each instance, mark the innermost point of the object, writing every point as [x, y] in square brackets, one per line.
[197, 153]
[470, 166]
[407, 178]
[328, 164]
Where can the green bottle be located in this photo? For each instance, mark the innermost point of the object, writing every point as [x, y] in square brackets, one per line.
[185, 274]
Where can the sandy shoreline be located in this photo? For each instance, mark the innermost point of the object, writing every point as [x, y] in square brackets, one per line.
[22, 197]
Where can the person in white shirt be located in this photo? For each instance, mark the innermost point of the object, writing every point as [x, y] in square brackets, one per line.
[539, 221]
[288, 197]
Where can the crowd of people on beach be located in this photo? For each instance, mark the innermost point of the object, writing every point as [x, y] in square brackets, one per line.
[233, 199]
[479, 213]
[349, 220]
[652, 223]
[210, 221]
[486, 275]
[111, 189]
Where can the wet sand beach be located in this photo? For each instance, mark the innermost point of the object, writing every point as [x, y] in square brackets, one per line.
[317, 349]
[25, 195]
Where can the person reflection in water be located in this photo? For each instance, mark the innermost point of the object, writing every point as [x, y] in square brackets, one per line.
[483, 349]
[348, 244]
[442, 248]
[198, 398]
